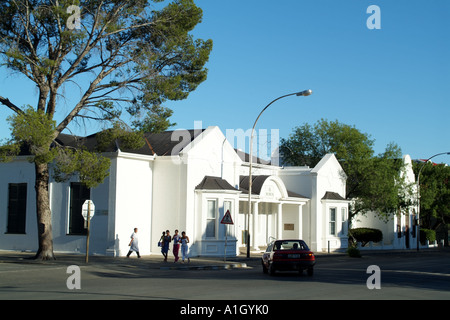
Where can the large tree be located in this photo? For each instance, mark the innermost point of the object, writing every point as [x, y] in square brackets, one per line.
[113, 56]
[434, 194]
[374, 182]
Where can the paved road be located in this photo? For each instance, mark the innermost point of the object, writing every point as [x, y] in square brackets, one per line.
[402, 276]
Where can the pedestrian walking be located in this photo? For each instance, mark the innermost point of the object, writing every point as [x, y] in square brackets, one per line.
[184, 247]
[176, 245]
[161, 244]
[134, 244]
[165, 245]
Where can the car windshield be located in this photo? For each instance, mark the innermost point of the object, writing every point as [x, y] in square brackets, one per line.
[290, 245]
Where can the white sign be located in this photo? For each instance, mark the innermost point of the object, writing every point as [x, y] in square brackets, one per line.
[88, 204]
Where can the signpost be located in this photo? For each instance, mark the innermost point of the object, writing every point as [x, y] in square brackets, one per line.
[225, 221]
[87, 211]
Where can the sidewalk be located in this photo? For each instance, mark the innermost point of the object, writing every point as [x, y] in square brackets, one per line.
[155, 261]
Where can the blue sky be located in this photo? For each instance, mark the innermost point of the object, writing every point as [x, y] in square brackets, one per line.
[392, 83]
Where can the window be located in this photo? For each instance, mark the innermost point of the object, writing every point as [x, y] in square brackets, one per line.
[211, 219]
[344, 221]
[79, 193]
[17, 207]
[332, 221]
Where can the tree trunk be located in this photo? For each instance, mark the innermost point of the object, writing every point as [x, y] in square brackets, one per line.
[44, 215]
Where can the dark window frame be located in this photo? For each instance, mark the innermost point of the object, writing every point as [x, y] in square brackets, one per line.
[79, 193]
[17, 208]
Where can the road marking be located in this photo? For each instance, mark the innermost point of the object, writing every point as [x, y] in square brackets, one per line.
[395, 271]
[419, 272]
[25, 269]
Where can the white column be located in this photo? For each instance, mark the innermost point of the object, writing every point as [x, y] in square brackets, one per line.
[255, 229]
[280, 221]
[300, 210]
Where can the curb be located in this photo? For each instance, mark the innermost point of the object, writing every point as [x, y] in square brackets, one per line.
[207, 267]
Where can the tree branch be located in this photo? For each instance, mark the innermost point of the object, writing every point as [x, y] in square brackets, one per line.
[10, 105]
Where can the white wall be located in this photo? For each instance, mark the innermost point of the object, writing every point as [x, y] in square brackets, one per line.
[313, 183]
[18, 171]
[133, 201]
[168, 196]
[210, 154]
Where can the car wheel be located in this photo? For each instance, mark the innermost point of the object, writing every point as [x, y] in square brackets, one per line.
[310, 272]
[271, 270]
[264, 267]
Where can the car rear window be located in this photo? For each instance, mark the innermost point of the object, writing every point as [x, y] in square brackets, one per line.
[290, 245]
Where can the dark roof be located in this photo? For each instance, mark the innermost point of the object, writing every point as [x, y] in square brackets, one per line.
[214, 183]
[161, 144]
[332, 196]
[257, 183]
[246, 157]
[164, 143]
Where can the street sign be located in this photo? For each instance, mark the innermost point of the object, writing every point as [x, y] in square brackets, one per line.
[87, 211]
[227, 218]
[88, 205]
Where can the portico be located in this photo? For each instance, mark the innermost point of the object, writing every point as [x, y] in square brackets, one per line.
[276, 213]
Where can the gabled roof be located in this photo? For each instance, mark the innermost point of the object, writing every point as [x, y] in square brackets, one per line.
[257, 183]
[214, 183]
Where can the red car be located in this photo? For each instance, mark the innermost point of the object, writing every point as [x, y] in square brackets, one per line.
[287, 255]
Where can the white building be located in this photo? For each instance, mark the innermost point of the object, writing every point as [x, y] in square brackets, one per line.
[183, 180]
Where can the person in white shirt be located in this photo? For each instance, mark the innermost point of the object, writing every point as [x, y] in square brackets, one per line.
[184, 247]
[134, 244]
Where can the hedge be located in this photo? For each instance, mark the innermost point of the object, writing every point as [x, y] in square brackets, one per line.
[365, 235]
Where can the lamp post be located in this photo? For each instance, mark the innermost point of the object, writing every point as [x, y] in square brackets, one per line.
[301, 93]
[418, 194]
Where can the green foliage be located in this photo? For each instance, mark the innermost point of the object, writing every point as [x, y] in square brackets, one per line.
[90, 167]
[353, 252]
[365, 235]
[434, 194]
[427, 234]
[130, 54]
[308, 144]
[156, 120]
[35, 130]
[129, 140]
[8, 151]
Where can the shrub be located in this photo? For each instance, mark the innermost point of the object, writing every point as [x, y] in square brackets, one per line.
[364, 235]
[427, 234]
[353, 252]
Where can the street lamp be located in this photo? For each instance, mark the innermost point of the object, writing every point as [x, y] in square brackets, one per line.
[418, 194]
[298, 94]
